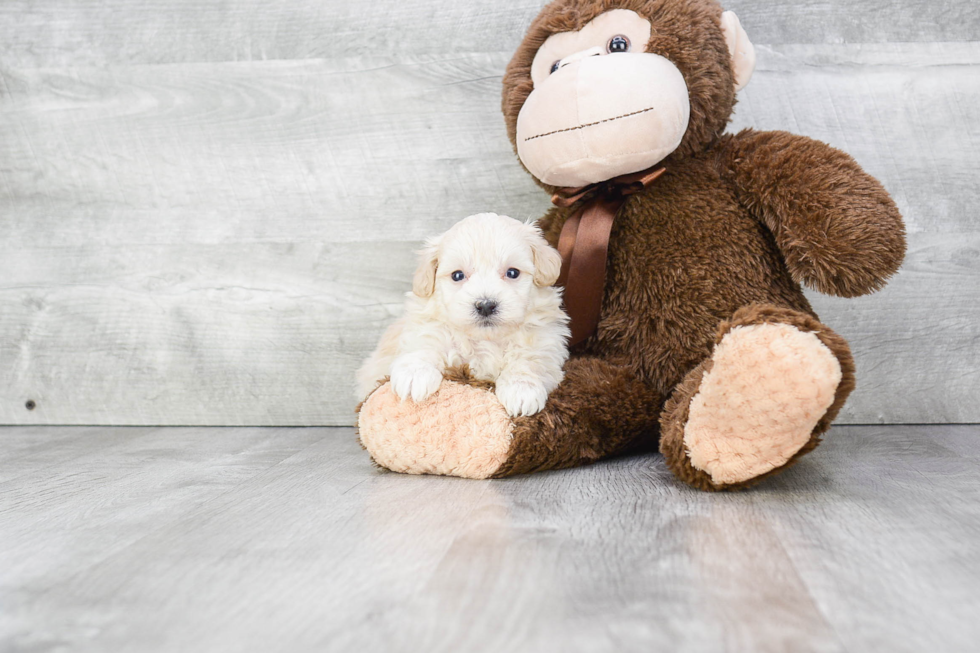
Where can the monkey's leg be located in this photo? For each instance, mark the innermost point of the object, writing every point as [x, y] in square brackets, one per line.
[773, 384]
[462, 430]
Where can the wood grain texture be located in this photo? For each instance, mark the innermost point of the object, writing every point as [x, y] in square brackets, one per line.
[46, 33]
[215, 239]
[288, 539]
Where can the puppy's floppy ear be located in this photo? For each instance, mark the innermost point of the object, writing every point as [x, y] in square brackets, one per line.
[547, 260]
[424, 281]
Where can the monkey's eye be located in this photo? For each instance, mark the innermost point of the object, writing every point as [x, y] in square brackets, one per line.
[513, 273]
[618, 43]
[555, 66]
[458, 275]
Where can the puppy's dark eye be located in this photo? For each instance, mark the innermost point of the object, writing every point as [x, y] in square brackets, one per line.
[513, 273]
[555, 66]
[458, 275]
[618, 43]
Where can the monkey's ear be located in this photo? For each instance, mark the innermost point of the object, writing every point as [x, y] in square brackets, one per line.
[740, 47]
[424, 281]
[547, 260]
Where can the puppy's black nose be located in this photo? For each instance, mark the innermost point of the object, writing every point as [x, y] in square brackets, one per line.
[486, 307]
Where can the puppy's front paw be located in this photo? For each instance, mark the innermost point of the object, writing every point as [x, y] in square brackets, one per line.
[521, 397]
[415, 380]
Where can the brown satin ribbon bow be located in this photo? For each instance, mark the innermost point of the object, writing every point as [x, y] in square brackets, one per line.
[584, 242]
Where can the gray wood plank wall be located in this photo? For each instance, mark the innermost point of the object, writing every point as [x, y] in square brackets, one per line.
[208, 209]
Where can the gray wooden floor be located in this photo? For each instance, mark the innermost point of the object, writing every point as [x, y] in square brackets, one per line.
[251, 539]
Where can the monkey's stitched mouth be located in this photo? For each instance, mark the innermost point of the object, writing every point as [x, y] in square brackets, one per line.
[591, 124]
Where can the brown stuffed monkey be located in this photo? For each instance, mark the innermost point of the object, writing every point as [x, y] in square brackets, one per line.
[705, 342]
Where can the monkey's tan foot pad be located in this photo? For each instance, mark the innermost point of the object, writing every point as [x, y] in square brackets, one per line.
[461, 430]
[759, 400]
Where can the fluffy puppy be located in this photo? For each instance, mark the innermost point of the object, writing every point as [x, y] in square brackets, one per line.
[482, 296]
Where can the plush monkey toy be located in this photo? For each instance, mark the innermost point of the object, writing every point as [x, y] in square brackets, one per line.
[704, 340]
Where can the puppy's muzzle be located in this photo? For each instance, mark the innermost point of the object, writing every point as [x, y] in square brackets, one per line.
[486, 307]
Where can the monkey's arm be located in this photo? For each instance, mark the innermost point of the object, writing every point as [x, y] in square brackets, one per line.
[837, 227]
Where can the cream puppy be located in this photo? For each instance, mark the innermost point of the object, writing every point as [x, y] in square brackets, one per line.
[482, 296]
